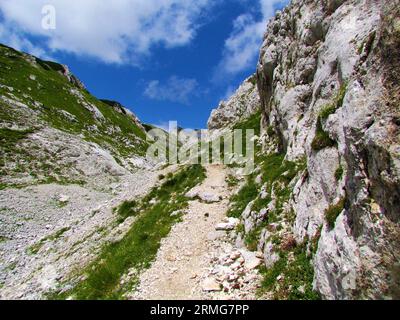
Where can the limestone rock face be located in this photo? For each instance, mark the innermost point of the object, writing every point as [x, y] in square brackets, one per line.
[315, 55]
[328, 78]
[244, 102]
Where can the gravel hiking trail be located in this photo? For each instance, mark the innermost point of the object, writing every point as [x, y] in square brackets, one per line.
[183, 254]
[188, 255]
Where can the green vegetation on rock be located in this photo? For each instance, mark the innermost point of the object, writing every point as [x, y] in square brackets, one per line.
[332, 213]
[252, 122]
[337, 102]
[290, 279]
[339, 173]
[321, 139]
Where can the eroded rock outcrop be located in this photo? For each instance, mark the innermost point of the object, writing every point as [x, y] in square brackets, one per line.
[244, 102]
[328, 77]
[324, 67]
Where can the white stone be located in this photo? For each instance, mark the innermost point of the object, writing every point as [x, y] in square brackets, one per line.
[210, 285]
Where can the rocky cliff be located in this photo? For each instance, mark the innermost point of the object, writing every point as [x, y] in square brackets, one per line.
[243, 103]
[328, 78]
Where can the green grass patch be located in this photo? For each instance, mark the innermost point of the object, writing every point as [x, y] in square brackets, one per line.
[332, 213]
[253, 122]
[278, 173]
[140, 245]
[252, 238]
[321, 139]
[11, 266]
[295, 277]
[127, 209]
[34, 249]
[9, 138]
[275, 172]
[240, 200]
[253, 80]
[337, 102]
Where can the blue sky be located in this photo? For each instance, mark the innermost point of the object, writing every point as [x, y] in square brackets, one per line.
[163, 59]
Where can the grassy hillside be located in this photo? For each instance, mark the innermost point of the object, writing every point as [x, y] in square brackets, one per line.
[63, 103]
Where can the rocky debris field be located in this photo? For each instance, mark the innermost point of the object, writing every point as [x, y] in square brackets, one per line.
[48, 231]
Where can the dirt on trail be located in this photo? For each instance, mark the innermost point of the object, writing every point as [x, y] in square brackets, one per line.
[196, 261]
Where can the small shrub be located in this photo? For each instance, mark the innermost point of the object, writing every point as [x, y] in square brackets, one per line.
[339, 173]
[161, 177]
[321, 139]
[332, 213]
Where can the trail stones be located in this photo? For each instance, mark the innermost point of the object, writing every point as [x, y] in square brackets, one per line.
[211, 285]
[229, 225]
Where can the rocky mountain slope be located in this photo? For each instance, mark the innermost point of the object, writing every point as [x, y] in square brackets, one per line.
[43, 109]
[67, 159]
[243, 103]
[323, 204]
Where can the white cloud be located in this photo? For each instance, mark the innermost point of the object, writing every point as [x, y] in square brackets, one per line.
[114, 31]
[242, 46]
[174, 90]
[16, 41]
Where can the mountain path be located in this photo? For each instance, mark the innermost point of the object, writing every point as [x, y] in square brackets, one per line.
[188, 255]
